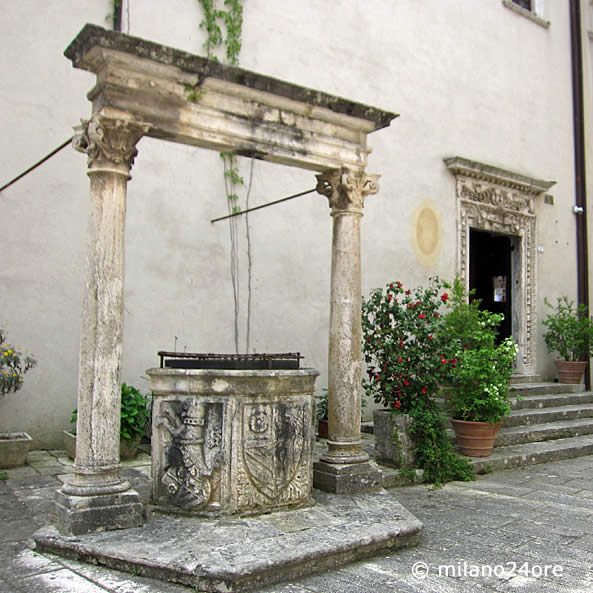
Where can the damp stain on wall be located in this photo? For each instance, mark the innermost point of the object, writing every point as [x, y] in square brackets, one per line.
[426, 233]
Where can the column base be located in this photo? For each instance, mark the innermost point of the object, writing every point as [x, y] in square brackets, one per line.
[346, 478]
[77, 515]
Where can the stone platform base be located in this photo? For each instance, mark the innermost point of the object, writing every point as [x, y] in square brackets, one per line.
[240, 554]
[78, 515]
[346, 478]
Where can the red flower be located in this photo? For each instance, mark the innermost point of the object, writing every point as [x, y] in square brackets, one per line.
[436, 315]
[399, 284]
[389, 297]
[400, 359]
[418, 303]
[424, 389]
[391, 286]
[421, 316]
[378, 377]
[411, 306]
[444, 297]
[408, 291]
[430, 337]
[454, 361]
[397, 404]
[444, 361]
[406, 383]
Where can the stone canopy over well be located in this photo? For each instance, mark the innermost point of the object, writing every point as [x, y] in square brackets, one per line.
[143, 88]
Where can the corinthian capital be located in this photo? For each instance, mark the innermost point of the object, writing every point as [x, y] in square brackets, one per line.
[346, 189]
[109, 142]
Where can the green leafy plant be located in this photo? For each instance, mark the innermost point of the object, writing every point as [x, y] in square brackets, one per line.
[478, 370]
[134, 413]
[569, 330]
[405, 366]
[13, 366]
[3, 475]
[321, 405]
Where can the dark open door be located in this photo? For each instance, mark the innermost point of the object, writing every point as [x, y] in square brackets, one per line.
[490, 275]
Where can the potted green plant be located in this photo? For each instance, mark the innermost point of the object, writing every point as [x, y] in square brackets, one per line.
[133, 419]
[14, 446]
[569, 332]
[478, 372]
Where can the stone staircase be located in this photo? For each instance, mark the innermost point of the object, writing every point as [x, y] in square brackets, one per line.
[550, 422]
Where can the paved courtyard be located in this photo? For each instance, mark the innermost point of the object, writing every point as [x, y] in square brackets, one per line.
[528, 529]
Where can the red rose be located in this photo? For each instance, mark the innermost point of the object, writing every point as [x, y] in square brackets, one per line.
[444, 361]
[436, 315]
[406, 383]
[430, 337]
[400, 359]
[421, 316]
[397, 404]
[444, 297]
[424, 390]
[399, 284]
[389, 297]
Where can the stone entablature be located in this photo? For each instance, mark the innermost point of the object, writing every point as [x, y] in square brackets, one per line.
[501, 201]
[232, 109]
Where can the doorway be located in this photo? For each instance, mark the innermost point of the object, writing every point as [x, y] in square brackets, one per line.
[490, 275]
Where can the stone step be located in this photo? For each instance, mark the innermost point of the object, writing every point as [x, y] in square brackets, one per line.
[553, 414]
[516, 435]
[543, 388]
[533, 453]
[240, 553]
[551, 400]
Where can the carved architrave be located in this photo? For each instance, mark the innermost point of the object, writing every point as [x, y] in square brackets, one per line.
[193, 449]
[499, 201]
[109, 142]
[347, 189]
[275, 454]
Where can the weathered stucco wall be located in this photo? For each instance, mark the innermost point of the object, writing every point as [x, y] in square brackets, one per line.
[487, 84]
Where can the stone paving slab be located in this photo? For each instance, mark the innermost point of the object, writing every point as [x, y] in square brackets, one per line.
[538, 514]
[239, 554]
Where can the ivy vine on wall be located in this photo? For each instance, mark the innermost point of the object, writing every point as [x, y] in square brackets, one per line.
[229, 19]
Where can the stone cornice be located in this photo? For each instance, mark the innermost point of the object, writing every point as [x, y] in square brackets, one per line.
[490, 174]
[93, 36]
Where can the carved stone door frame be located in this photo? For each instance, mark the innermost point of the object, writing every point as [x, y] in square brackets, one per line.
[500, 201]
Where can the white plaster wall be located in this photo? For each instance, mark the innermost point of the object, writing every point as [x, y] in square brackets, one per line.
[486, 84]
[43, 216]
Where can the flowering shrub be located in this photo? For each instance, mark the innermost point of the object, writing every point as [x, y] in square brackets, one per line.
[406, 361]
[403, 355]
[13, 365]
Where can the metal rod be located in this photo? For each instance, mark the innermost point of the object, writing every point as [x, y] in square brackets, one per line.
[45, 158]
[303, 193]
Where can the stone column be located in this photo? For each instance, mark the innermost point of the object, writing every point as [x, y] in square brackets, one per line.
[345, 467]
[97, 499]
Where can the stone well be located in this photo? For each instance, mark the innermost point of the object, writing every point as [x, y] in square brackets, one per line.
[231, 441]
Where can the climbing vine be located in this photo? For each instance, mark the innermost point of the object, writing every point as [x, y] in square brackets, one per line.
[231, 20]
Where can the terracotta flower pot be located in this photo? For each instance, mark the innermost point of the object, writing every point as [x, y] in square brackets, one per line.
[475, 439]
[570, 372]
[322, 428]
